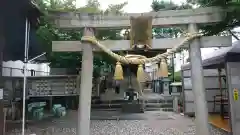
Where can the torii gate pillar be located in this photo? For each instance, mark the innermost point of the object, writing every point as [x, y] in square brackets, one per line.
[84, 109]
[201, 110]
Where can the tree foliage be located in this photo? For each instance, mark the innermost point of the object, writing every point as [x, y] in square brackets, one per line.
[232, 18]
[170, 32]
[116, 9]
[161, 5]
[48, 33]
[231, 21]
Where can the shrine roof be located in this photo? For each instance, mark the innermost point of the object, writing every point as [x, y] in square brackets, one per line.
[218, 58]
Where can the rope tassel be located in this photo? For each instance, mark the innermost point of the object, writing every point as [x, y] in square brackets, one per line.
[140, 73]
[118, 74]
[163, 69]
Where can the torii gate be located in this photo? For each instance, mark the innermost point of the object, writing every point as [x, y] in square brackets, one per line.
[189, 17]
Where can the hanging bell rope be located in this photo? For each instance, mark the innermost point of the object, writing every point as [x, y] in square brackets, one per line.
[156, 58]
[118, 74]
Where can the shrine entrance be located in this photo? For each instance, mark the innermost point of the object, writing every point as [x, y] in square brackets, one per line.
[141, 40]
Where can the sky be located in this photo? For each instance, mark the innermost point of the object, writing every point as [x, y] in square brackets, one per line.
[134, 6]
[138, 6]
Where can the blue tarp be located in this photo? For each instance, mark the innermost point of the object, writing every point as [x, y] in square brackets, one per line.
[219, 57]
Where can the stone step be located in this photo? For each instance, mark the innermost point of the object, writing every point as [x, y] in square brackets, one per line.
[147, 91]
[105, 106]
[106, 109]
[111, 102]
[117, 106]
[158, 101]
[146, 109]
[159, 105]
[124, 101]
[167, 109]
[160, 109]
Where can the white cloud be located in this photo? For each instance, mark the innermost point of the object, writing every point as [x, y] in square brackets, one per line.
[134, 6]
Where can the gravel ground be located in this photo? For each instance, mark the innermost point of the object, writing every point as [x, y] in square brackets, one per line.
[152, 125]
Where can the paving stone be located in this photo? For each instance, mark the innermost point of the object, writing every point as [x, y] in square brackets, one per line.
[169, 124]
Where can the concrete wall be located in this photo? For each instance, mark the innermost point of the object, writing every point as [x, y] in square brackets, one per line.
[234, 83]
[211, 88]
[15, 68]
[39, 86]
[52, 85]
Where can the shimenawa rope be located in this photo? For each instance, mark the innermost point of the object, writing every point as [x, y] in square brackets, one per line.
[156, 58]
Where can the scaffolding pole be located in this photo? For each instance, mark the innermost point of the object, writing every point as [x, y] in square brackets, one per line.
[26, 46]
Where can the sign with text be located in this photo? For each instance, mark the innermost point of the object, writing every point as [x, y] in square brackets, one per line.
[235, 94]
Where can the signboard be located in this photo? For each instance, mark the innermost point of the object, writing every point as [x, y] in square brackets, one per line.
[235, 94]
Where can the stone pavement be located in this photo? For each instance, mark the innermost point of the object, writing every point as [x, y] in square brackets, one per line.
[149, 123]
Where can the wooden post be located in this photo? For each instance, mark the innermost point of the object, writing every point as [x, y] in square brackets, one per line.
[201, 110]
[84, 109]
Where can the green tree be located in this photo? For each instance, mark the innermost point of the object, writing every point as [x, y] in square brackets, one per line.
[232, 18]
[177, 76]
[160, 5]
[93, 6]
[172, 32]
[231, 21]
[48, 33]
[116, 9]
